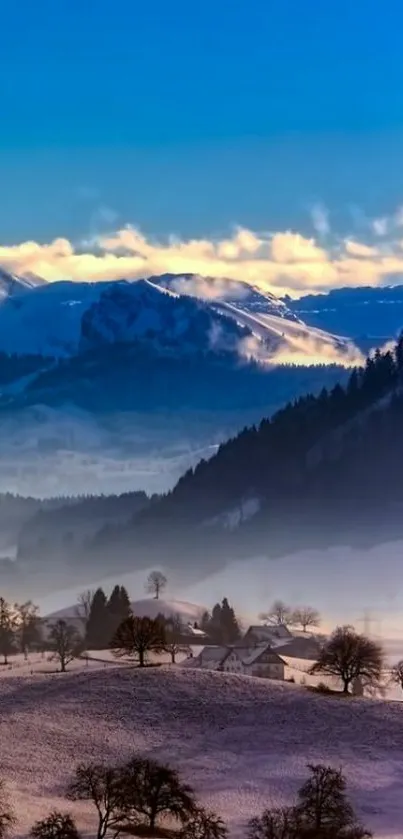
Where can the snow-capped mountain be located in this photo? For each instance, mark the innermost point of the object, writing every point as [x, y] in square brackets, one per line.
[243, 295]
[11, 284]
[168, 322]
[63, 319]
[121, 385]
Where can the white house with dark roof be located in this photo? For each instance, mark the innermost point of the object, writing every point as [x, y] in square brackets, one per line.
[261, 661]
[212, 657]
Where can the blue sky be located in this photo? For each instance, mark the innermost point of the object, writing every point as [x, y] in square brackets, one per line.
[188, 118]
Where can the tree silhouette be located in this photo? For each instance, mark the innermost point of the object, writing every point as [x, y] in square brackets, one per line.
[204, 824]
[156, 583]
[55, 826]
[8, 626]
[397, 674]
[174, 644]
[118, 607]
[100, 785]
[83, 608]
[350, 656]
[322, 811]
[97, 629]
[28, 626]
[278, 614]
[7, 815]
[323, 807]
[280, 823]
[305, 616]
[151, 790]
[65, 642]
[136, 637]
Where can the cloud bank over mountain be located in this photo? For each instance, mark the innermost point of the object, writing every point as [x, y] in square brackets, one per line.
[285, 262]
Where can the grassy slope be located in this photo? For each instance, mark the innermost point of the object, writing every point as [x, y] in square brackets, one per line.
[242, 742]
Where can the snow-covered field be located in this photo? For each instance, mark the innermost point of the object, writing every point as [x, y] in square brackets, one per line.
[243, 743]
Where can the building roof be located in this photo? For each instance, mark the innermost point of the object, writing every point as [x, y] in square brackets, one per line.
[264, 631]
[213, 653]
[248, 655]
[308, 648]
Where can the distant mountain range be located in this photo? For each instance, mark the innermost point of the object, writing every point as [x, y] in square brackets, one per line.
[368, 316]
[120, 386]
[134, 387]
[115, 386]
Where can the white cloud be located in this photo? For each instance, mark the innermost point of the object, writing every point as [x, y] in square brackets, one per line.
[360, 250]
[320, 219]
[283, 261]
[380, 226]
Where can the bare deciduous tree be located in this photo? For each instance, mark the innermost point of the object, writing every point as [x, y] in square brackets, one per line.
[350, 656]
[321, 812]
[174, 644]
[323, 808]
[7, 815]
[136, 637]
[65, 642]
[151, 790]
[156, 583]
[397, 674]
[100, 785]
[55, 826]
[305, 616]
[280, 823]
[84, 603]
[28, 626]
[8, 626]
[278, 614]
[204, 825]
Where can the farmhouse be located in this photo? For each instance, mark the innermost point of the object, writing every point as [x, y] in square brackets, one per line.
[261, 661]
[212, 658]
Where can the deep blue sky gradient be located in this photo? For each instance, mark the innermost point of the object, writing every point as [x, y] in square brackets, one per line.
[188, 117]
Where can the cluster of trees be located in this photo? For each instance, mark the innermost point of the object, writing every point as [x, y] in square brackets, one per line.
[101, 615]
[222, 625]
[281, 613]
[20, 629]
[135, 797]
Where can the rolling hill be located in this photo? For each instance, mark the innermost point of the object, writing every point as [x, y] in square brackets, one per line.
[243, 743]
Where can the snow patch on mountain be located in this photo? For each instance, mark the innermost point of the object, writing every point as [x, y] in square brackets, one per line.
[248, 297]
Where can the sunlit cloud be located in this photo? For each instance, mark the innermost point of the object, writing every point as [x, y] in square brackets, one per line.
[284, 262]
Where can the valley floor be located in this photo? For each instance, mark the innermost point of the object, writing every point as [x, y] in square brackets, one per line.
[243, 743]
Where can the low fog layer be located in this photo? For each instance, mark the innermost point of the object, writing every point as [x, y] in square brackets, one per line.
[345, 584]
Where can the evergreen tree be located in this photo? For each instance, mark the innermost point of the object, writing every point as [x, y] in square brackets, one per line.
[230, 630]
[98, 633]
[222, 626]
[118, 607]
[399, 355]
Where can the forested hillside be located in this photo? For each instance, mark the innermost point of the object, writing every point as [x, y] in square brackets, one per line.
[322, 468]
